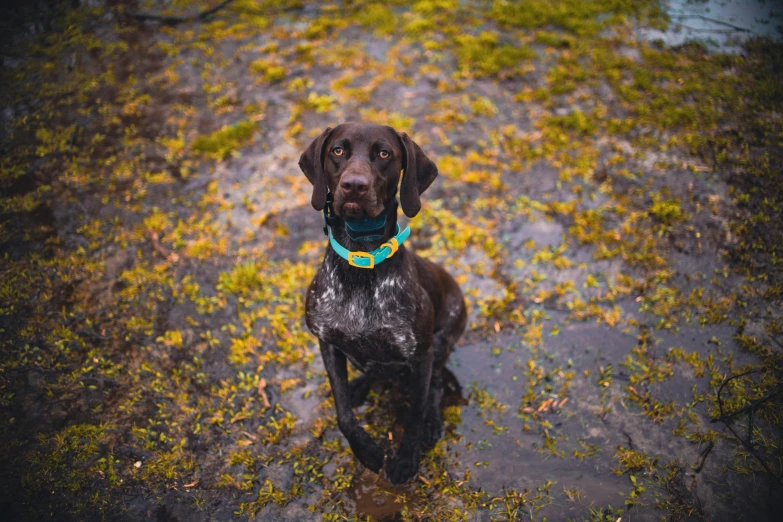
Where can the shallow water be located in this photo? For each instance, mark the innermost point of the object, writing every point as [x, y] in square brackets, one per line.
[722, 25]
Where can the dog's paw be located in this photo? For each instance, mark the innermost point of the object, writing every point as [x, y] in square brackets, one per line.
[404, 465]
[433, 430]
[370, 455]
[359, 388]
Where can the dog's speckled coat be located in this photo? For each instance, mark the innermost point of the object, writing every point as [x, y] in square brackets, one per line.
[398, 320]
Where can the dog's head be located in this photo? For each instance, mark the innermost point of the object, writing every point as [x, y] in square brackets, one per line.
[361, 163]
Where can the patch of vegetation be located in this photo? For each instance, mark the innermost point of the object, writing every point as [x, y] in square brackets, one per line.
[583, 18]
[667, 211]
[484, 55]
[269, 71]
[224, 142]
[379, 18]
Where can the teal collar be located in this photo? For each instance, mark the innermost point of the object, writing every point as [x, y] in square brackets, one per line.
[370, 259]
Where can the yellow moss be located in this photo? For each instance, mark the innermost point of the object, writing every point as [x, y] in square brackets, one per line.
[222, 143]
[379, 18]
[483, 55]
[268, 69]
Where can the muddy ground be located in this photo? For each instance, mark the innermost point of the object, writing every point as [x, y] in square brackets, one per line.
[609, 205]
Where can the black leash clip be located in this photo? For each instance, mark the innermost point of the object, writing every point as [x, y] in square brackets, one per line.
[329, 215]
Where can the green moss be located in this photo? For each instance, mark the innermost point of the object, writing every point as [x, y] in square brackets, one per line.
[567, 74]
[576, 121]
[398, 120]
[483, 106]
[379, 18]
[324, 26]
[270, 71]
[221, 144]
[667, 211]
[631, 460]
[553, 39]
[483, 55]
[583, 18]
[319, 102]
[71, 463]
[242, 279]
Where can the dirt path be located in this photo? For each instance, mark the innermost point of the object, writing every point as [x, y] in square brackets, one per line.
[609, 207]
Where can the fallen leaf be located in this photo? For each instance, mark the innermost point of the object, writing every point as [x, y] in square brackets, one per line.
[545, 404]
[262, 393]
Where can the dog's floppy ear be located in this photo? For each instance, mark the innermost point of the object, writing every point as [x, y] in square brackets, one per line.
[418, 173]
[312, 164]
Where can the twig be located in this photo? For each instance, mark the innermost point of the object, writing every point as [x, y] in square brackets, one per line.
[749, 407]
[262, 393]
[753, 451]
[154, 237]
[711, 20]
[174, 20]
[725, 382]
[627, 436]
[703, 457]
[725, 418]
[698, 29]
[249, 435]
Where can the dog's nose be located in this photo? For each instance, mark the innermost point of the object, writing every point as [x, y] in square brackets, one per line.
[354, 185]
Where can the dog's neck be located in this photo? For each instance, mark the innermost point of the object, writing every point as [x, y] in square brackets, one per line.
[341, 235]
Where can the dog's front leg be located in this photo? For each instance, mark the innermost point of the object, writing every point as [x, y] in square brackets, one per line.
[365, 449]
[405, 463]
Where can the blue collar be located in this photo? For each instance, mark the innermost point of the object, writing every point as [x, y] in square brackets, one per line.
[370, 259]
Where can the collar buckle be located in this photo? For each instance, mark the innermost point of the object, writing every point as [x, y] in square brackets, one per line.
[361, 255]
[393, 245]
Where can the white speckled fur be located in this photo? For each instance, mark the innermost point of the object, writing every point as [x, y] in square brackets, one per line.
[382, 314]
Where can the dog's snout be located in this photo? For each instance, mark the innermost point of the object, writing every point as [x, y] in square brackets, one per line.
[354, 185]
[355, 194]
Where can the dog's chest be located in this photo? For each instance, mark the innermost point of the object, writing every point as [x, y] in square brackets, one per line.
[373, 324]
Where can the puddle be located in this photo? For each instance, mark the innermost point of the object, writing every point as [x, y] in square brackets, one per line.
[721, 25]
[373, 495]
[516, 458]
[377, 498]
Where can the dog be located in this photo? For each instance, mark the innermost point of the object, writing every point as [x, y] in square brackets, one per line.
[373, 302]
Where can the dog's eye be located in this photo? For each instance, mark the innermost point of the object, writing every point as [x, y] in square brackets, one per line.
[383, 154]
[338, 151]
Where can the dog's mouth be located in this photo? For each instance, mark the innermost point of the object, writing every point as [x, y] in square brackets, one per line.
[353, 210]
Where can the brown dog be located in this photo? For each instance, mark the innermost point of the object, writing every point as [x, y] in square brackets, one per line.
[398, 319]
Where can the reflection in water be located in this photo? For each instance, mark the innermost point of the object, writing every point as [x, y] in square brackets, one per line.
[376, 496]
